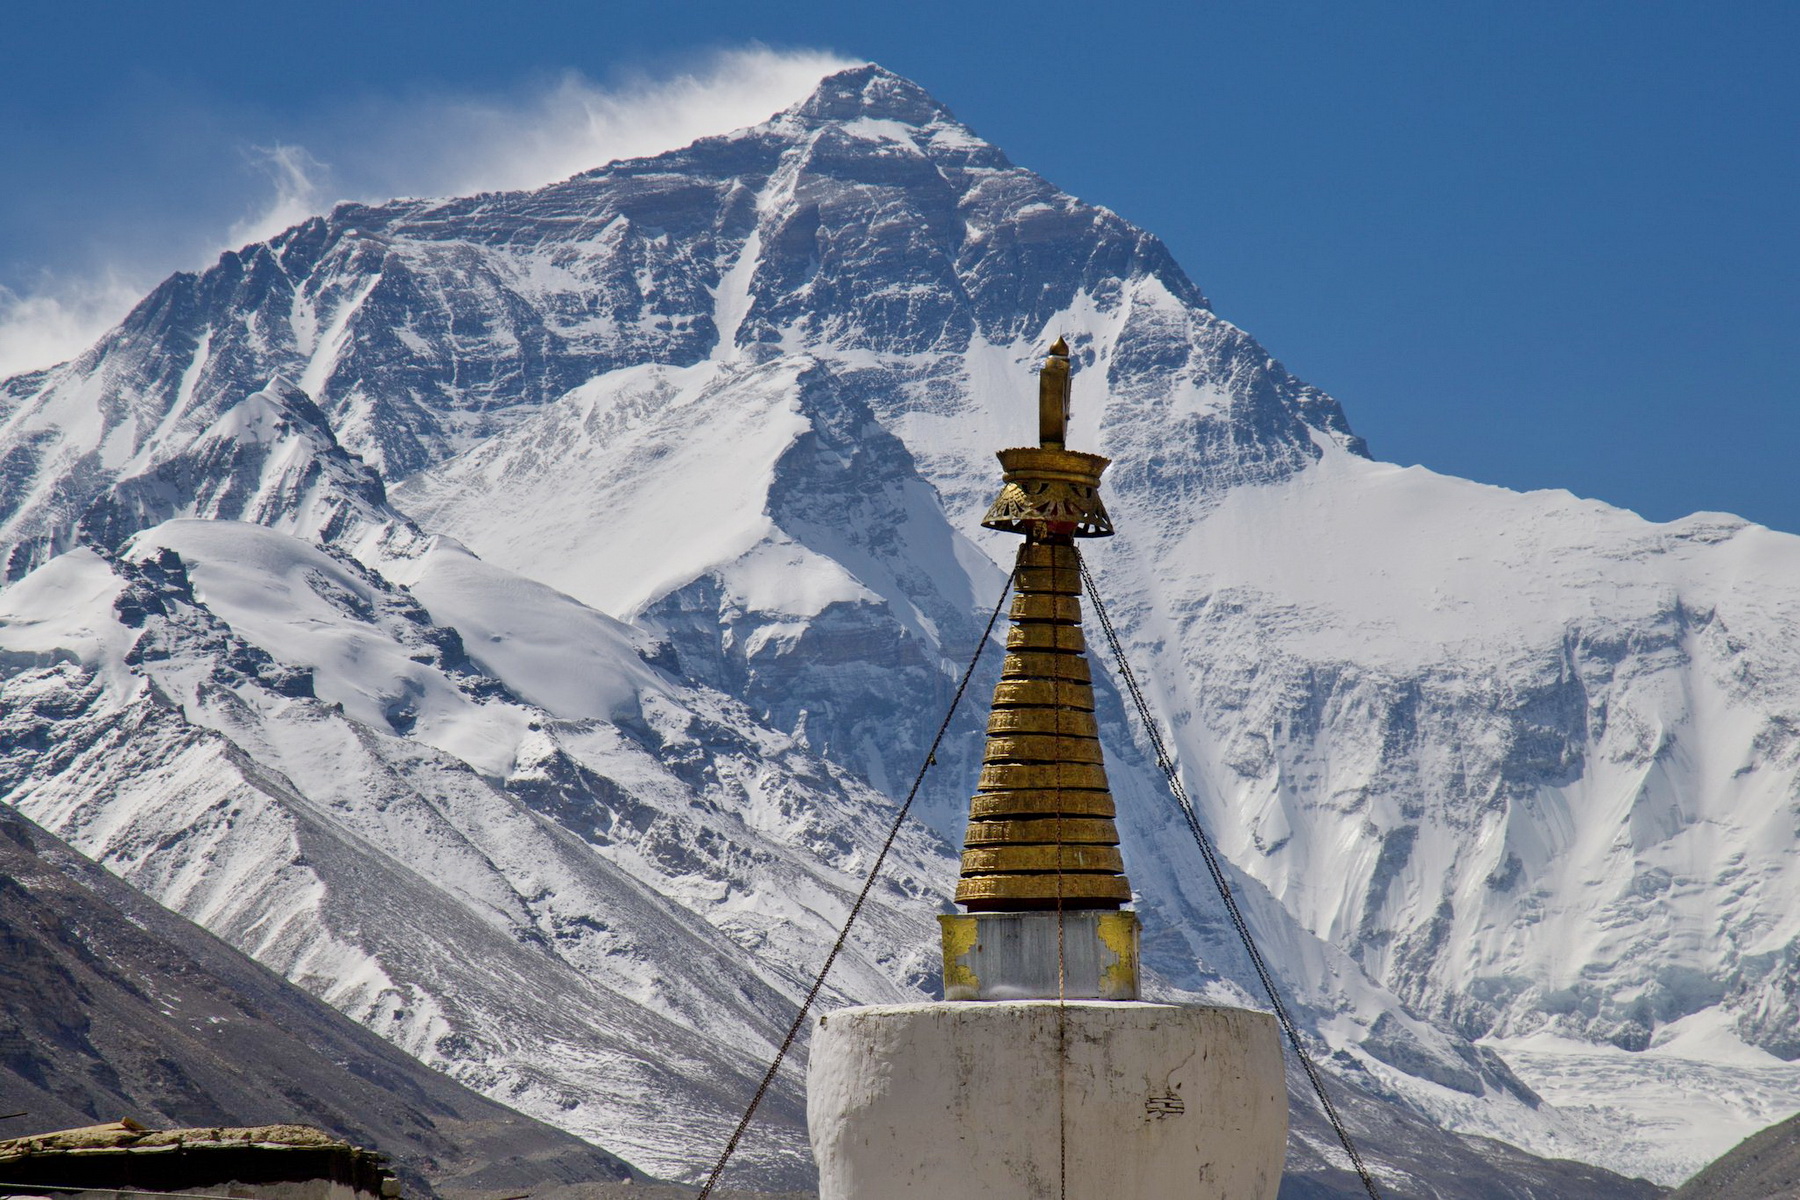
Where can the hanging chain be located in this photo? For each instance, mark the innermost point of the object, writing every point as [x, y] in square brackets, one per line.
[1213, 867]
[812, 993]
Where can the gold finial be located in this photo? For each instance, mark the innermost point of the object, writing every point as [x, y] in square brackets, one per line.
[1049, 491]
[1053, 397]
[1041, 831]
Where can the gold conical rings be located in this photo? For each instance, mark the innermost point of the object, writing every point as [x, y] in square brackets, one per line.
[1041, 830]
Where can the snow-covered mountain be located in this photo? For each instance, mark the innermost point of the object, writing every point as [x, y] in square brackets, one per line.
[512, 617]
[506, 893]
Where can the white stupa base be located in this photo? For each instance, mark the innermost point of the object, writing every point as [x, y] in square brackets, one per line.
[960, 1101]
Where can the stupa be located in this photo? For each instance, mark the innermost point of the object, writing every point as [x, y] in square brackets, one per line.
[1042, 1074]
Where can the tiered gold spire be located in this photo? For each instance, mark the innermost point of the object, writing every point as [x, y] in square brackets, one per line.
[1041, 833]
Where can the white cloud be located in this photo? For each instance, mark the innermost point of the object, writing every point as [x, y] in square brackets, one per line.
[573, 124]
[420, 145]
[60, 317]
[299, 192]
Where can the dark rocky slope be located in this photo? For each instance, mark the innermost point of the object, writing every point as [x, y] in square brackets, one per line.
[1764, 1166]
[111, 1006]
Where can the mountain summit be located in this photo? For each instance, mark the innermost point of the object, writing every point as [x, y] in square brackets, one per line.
[512, 617]
[872, 92]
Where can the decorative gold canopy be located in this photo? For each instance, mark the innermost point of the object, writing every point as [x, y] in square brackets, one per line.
[1041, 833]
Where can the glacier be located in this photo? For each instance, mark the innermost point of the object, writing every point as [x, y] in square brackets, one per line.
[514, 617]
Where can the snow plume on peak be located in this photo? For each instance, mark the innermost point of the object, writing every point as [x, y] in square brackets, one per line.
[298, 179]
[59, 317]
[574, 124]
[433, 144]
[459, 144]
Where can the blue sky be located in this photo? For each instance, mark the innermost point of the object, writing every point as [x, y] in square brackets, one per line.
[1534, 244]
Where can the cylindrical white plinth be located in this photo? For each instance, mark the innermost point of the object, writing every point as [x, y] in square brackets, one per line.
[960, 1101]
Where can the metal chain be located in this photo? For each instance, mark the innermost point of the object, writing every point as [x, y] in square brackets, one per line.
[1213, 868]
[812, 993]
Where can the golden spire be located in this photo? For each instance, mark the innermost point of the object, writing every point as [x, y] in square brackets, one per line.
[1041, 833]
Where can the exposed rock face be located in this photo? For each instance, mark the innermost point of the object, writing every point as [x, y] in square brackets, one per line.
[1489, 766]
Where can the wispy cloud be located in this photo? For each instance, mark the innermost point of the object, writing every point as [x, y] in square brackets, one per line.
[454, 146]
[60, 316]
[435, 144]
[299, 182]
